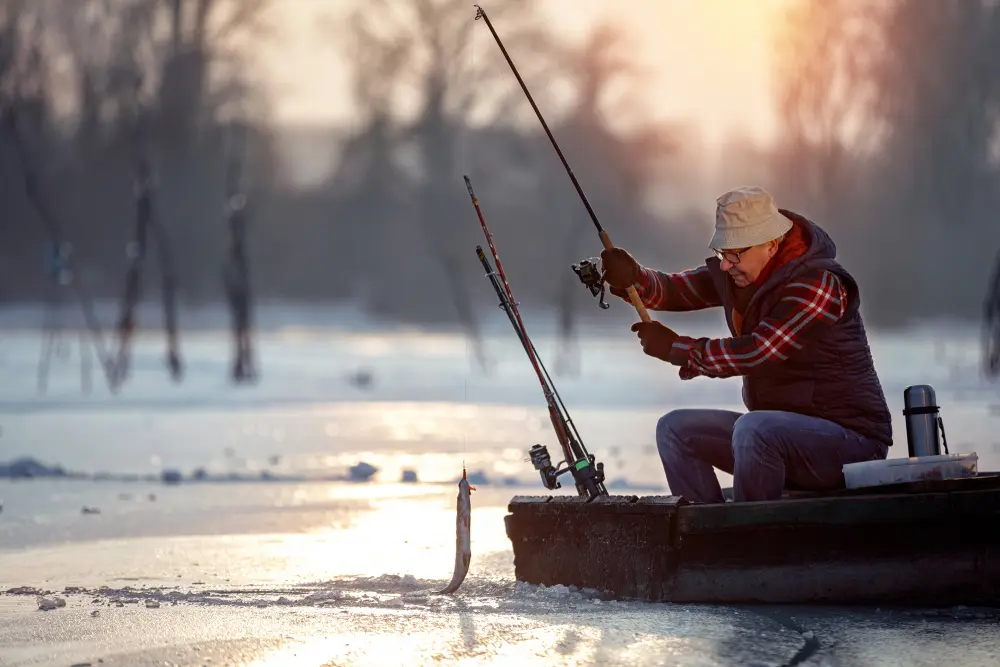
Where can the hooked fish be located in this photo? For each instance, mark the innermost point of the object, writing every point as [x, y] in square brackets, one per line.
[463, 548]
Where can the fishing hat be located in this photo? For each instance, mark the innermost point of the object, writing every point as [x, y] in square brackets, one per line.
[747, 216]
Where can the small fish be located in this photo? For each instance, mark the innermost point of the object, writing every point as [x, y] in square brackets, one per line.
[463, 548]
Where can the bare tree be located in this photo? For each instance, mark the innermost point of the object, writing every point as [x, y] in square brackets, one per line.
[890, 114]
[425, 47]
[825, 96]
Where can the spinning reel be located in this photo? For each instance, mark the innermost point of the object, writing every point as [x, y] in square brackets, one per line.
[588, 474]
[590, 276]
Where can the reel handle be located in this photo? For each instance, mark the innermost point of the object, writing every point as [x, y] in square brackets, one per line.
[632, 294]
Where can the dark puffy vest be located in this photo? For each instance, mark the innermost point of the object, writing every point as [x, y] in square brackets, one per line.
[833, 375]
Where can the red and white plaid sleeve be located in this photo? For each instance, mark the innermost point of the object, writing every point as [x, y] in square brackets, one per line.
[811, 301]
[678, 292]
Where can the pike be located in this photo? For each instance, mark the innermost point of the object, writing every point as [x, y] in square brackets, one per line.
[463, 546]
[605, 238]
[588, 475]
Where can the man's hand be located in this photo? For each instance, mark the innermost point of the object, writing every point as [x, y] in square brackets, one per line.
[657, 339]
[620, 270]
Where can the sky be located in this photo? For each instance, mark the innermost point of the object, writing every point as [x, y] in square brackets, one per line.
[710, 60]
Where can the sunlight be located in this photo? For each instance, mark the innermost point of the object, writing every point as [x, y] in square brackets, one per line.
[468, 641]
[307, 514]
[404, 536]
[718, 58]
[709, 60]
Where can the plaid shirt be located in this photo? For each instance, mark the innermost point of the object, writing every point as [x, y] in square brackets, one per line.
[812, 300]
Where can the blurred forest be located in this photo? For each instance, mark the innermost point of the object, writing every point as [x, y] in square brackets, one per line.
[889, 140]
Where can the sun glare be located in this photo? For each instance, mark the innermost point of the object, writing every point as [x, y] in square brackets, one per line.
[708, 61]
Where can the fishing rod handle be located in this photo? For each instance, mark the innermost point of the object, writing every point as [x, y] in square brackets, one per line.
[630, 290]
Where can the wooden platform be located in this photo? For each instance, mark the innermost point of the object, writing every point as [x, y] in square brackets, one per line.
[931, 543]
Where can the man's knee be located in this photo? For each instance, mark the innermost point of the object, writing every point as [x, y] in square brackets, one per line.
[672, 428]
[755, 431]
[667, 441]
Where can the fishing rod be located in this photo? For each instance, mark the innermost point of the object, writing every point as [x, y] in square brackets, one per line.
[539, 453]
[605, 238]
[587, 473]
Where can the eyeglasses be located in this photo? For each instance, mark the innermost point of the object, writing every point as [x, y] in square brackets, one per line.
[731, 256]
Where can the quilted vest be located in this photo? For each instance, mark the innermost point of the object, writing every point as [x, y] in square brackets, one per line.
[833, 376]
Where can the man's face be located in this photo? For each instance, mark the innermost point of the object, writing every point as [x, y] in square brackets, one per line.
[745, 264]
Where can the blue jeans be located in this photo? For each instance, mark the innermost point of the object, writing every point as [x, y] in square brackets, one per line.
[764, 450]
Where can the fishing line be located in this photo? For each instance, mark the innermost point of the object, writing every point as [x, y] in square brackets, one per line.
[465, 402]
[505, 77]
[464, 136]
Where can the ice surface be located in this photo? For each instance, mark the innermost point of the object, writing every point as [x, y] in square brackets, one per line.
[277, 571]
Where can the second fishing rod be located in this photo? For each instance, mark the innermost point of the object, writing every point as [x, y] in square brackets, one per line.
[587, 473]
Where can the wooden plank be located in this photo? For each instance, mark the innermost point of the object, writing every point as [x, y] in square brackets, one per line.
[846, 510]
[649, 505]
[969, 577]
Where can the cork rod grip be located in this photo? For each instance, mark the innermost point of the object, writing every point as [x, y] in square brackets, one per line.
[632, 294]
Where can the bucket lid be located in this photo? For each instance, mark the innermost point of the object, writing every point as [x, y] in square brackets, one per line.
[911, 461]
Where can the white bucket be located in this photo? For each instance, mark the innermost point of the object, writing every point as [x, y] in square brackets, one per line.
[915, 469]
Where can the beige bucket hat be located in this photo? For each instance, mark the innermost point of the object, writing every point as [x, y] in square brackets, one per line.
[747, 216]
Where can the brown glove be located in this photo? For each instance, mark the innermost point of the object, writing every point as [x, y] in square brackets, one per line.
[657, 339]
[620, 270]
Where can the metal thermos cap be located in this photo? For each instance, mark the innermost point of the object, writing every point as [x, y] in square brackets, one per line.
[919, 396]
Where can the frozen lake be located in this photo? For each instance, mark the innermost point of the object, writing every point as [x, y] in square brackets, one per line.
[314, 573]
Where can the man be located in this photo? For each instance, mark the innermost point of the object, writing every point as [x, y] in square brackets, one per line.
[815, 402]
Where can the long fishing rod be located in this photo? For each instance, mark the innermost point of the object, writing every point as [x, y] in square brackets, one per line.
[605, 238]
[588, 474]
[508, 308]
[529, 347]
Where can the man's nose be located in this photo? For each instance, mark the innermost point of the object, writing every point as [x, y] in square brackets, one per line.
[725, 265]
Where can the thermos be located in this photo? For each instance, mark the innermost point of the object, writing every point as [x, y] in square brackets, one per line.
[923, 420]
